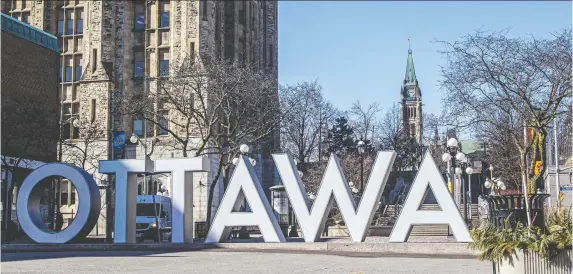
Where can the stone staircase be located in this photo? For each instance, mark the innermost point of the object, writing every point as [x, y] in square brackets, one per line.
[391, 213]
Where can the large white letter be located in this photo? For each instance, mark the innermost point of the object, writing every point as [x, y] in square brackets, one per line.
[334, 184]
[28, 205]
[262, 215]
[410, 215]
[182, 194]
[125, 194]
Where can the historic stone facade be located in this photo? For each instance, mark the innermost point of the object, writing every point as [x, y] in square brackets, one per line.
[411, 102]
[109, 47]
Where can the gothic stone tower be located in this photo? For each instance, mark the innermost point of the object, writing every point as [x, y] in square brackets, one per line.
[411, 102]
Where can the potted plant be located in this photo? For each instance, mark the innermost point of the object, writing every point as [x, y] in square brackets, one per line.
[521, 249]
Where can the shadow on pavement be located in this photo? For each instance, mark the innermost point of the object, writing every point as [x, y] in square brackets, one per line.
[25, 256]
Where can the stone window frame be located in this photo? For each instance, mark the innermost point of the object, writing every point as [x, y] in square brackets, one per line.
[75, 54]
[20, 9]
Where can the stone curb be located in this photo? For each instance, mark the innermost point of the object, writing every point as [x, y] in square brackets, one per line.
[449, 250]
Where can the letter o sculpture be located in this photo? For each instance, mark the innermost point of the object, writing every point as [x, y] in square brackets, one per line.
[28, 205]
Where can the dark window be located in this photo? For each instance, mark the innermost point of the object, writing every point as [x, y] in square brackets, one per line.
[139, 64]
[192, 51]
[163, 122]
[164, 15]
[69, 22]
[25, 17]
[68, 63]
[204, 10]
[139, 16]
[60, 22]
[163, 62]
[66, 131]
[271, 56]
[78, 68]
[138, 127]
[80, 22]
[93, 111]
[147, 209]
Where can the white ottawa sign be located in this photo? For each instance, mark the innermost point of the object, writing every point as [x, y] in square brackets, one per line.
[244, 184]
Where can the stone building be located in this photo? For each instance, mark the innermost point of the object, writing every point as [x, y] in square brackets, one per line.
[411, 102]
[29, 110]
[116, 46]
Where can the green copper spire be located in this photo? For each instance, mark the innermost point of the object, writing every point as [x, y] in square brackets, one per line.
[410, 78]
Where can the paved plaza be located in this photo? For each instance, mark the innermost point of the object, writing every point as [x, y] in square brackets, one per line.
[228, 262]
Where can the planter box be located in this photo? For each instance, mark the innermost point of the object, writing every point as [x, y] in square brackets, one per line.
[526, 262]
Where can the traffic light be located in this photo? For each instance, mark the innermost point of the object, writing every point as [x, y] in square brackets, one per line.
[561, 196]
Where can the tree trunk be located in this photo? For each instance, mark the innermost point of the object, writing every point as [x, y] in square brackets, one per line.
[212, 191]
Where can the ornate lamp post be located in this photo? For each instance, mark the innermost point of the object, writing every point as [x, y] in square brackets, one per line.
[450, 157]
[244, 150]
[469, 172]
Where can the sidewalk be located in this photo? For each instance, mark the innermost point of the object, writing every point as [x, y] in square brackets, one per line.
[372, 247]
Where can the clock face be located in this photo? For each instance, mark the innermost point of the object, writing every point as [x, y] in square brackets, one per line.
[411, 92]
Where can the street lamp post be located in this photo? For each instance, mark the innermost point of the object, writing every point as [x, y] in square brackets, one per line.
[135, 139]
[450, 157]
[244, 149]
[361, 151]
[470, 171]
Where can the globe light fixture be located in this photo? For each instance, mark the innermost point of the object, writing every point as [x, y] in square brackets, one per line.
[361, 147]
[350, 184]
[133, 138]
[458, 171]
[235, 161]
[244, 148]
[452, 142]
[487, 183]
[446, 157]
[460, 156]
[469, 170]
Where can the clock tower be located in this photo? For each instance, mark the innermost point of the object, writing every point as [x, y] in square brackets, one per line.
[411, 102]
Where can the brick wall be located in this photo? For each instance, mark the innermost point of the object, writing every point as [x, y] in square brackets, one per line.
[30, 109]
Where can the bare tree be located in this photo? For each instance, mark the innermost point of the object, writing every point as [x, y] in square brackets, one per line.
[87, 150]
[364, 119]
[350, 164]
[393, 136]
[306, 116]
[211, 107]
[506, 84]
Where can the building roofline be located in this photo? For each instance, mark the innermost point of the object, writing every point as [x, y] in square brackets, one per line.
[29, 32]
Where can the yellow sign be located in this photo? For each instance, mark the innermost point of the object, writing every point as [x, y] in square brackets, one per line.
[561, 196]
[537, 168]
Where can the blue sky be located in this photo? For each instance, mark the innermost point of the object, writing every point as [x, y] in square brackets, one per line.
[357, 50]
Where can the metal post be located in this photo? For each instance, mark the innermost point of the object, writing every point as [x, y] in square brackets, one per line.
[557, 183]
[470, 194]
[361, 173]
[525, 193]
[464, 199]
